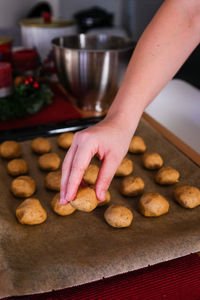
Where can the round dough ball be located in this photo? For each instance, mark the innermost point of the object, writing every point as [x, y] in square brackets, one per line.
[137, 145]
[31, 212]
[62, 210]
[23, 186]
[152, 160]
[106, 201]
[40, 145]
[85, 200]
[17, 166]
[118, 216]
[153, 205]
[52, 180]
[64, 140]
[49, 162]
[125, 168]
[132, 186]
[167, 175]
[10, 149]
[91, 174]
[187, 196]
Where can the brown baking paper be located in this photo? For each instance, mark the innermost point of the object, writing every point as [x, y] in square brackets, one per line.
[82, 247]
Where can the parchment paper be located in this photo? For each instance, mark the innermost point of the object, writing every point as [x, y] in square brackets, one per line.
[72, 250]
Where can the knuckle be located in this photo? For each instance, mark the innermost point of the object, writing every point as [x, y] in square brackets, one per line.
[82, 136]
[115, 157]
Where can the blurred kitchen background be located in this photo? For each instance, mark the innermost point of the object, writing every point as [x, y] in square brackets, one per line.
[130, 15]
[119, 17]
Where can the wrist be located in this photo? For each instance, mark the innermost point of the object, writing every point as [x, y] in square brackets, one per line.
[124, 115]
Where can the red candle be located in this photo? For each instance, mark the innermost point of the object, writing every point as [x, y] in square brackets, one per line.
[25, 60]
[5, 79]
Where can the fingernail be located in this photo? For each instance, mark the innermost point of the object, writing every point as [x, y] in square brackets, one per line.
[102, 196]
[62, 201]
[67, 198]
[62, 198]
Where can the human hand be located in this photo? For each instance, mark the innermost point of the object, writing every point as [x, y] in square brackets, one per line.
[109, 139]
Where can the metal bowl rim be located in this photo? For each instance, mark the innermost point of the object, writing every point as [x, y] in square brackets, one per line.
[126, 48]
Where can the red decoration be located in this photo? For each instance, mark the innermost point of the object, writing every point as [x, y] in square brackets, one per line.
[36, 85]
[46, 17]
[26, 81]
[31, 79]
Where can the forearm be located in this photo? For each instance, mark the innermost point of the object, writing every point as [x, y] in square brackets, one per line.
[164, 46]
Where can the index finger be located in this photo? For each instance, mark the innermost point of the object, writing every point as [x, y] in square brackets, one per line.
[66, 167]
[81, 160]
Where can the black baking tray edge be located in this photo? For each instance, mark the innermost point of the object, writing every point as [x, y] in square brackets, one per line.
[50, 129]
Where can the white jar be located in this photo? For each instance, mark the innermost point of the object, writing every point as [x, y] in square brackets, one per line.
[38, 35]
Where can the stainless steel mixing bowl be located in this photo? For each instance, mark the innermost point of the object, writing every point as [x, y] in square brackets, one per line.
[91, 67]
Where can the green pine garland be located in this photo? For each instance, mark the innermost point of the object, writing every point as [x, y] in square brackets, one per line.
[26, 100]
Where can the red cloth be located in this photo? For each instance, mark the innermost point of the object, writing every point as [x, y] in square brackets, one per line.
[60, 110]
[178, 279]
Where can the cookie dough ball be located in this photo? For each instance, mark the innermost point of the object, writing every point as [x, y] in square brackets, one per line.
[10, 149]
[137, 145]
[152, 160]
[187, 196]
[62, 210]
[125, 168]
[52, 181]
[64, 140]
[118, 216]
[85, 200]
[106, 201]
[91, 174]
[167, 175]
[153, 205]
[23, 186]
[17, 166]
[132, 186]
[31, 212]
[41, 145]
[49, 162]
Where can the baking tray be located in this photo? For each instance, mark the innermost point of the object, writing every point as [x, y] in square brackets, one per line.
[82, 247]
